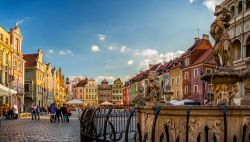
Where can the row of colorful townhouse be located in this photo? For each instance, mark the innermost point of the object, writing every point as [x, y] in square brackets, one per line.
[92, 93]
[25, 79]
[182, 73]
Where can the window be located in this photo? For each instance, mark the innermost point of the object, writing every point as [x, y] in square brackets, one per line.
[27, 87]
[146, 81]
[186, 76]
[195, 89]
[80, 90]
[1, 37]
[208, 70]
[187, 62]
[196, 73]
[87, 90]
[15, 64]
[177, 80]
[186, 90]
[240, 7]
[7, 41]
[172, 80]
[232, 9]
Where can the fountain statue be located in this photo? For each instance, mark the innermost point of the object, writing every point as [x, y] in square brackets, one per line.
[223, 46]
[153, 93]
[224, 79]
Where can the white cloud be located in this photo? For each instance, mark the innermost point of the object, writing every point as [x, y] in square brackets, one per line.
[66, 52]
[111, 47]
[152, 56]
[95, 48]
[102, 37]
[50, 51]
[149, 52]
[124, 48]
[191, 1]
[210, 4]
[99, 79]
[130, 62]
[22, 20]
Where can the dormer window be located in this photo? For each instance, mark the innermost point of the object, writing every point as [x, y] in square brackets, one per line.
[187, 62]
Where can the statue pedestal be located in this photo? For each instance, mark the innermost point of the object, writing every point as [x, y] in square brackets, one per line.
[224, 86]
[246, 79]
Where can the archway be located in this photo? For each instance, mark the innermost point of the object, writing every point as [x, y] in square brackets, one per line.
[248, 47]
[239, 7]
[236, 50]
[232, 9]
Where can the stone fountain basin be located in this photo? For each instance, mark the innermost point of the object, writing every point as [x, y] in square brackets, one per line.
[222, 77]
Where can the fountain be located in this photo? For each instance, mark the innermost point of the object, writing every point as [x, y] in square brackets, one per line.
[224, 79]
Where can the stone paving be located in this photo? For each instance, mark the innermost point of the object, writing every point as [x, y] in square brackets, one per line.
[27, 130]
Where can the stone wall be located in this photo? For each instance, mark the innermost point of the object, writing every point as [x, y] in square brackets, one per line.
[174, 118]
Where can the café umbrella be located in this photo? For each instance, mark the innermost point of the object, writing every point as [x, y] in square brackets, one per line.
[74, 102]
[106, 103]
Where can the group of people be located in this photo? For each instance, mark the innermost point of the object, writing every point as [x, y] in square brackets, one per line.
[35, 112]
[57, 113]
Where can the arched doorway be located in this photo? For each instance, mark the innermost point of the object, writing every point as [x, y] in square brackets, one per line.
[239, 7]
[236, 50]
[248, 47]
[232, 9]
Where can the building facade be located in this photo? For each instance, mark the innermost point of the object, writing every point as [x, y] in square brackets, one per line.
[175, 78]
[43, 85]
[117, 95]
[239, 32]
[196, 61]
[11, 68]
[104, 92]
[90, 91]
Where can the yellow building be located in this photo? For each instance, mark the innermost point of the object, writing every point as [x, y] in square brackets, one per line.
[175, 76]
[90, 93]
[11, 68]
[43, 85]
[117, 94]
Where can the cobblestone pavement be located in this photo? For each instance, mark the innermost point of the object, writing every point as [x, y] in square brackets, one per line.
[27, 130]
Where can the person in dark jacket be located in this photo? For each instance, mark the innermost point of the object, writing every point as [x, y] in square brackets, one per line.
[59, 113]
[65, 113]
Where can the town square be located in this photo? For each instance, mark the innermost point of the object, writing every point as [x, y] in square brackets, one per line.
[125, 71]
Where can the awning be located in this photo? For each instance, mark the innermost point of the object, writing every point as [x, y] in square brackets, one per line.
[5, 91]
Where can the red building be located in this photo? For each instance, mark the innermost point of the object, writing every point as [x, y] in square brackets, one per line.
[197, 60]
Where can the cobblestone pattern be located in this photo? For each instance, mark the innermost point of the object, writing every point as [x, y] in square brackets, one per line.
[27, 130]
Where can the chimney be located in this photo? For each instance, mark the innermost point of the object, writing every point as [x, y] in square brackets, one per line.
[196, 39]
[205, 36]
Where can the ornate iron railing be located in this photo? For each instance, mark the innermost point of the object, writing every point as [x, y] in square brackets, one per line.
[113, 125]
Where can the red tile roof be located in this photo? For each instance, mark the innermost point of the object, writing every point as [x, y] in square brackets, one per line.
[163, 68]
[31, 60]
[196, 45]
[176, 63]
[204, 56]
[82, 83]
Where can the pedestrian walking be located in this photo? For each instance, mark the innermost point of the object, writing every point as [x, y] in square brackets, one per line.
[33, 112]
[53, 113]
[38, 112]
[58, 114]
[64, 112]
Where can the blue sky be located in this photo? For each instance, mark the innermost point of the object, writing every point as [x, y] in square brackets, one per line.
[107, 38]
